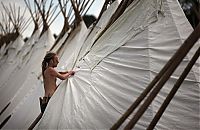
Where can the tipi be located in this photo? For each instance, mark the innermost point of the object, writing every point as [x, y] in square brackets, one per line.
[118, 67]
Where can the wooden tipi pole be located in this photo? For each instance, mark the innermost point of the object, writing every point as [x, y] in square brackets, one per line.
[182, 52]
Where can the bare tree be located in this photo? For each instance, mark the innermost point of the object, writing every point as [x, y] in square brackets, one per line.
[47, 12]
[34, 15]
[72, 11]
[78, 17]
[13, 23]
[66, 27]
[5, 24]
[80, 8]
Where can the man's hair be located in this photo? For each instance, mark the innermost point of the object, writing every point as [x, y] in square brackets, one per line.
[46, 61]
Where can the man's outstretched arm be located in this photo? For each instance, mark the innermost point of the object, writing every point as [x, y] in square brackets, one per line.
[61, 76]
[64, 72]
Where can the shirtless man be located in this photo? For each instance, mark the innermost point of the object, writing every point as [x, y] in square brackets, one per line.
[49, 76]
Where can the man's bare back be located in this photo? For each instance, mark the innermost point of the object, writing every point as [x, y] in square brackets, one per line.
[49, 82]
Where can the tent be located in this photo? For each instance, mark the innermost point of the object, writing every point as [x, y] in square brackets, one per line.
[113, 67]
[118, 67]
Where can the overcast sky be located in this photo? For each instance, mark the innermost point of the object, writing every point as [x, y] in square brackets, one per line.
[58, 23]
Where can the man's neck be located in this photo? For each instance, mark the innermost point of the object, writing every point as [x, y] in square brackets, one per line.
[51, 66]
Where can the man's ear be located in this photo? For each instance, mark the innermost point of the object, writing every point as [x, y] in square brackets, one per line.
[51, 61]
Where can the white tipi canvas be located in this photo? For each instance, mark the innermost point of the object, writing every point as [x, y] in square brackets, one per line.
[111, 74]
[24, 86]
[118, 68]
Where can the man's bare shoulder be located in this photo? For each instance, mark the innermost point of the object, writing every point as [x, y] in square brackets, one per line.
[51, 71]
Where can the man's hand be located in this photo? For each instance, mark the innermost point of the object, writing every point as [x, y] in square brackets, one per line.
[71, 72]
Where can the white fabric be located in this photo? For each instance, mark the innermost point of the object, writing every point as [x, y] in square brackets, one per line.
[2, 50]
[71, 48]
[103, 21]
[9, 62]
[60, 42]
[119, 67]
[110, 76]
[24, 87]
[15, 47]
[28, 46]
[128, 25]
[69, 52]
